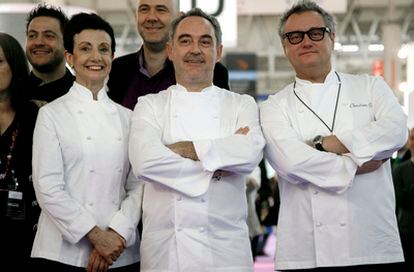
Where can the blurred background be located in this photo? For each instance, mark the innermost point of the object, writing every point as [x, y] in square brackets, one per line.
[372, 36]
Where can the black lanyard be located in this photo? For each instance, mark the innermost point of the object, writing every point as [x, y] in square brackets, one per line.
[336, 103]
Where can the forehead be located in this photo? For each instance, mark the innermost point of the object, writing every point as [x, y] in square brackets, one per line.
[92, 36]
[44, 23]
[168, 3]
[304, 21]
[195, 26]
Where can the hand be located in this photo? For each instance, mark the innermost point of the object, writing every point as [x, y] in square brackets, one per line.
[185, 149]
[332, 144]
[369, 166]
[39, 103]
[96, 262]
[108, 243]
[242, 130]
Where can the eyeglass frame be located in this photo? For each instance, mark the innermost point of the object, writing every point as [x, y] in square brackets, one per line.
[324, 30]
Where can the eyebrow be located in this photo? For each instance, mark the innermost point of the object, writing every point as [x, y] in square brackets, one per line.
[185, 35]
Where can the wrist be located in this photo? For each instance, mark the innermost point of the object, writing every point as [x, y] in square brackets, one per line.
[318, 143]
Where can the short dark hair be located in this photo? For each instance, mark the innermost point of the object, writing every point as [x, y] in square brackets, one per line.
[47, 11]
[82, 21]
[303, 6]
[198, 12]
[16, 58]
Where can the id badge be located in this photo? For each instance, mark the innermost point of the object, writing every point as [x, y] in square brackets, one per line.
[15, 206]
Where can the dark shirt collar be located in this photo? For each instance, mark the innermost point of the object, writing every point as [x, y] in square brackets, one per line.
[141, 63]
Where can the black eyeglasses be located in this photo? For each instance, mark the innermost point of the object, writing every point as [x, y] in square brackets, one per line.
[315, 34]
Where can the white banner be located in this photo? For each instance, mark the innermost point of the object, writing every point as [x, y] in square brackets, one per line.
[225, 12]
[269, 7]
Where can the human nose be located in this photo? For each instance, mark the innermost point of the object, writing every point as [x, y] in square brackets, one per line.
[195, 47]
[95, 55]
[38, 40]
[152, 15]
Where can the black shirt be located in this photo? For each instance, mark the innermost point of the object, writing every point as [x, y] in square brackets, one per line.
[49, 91]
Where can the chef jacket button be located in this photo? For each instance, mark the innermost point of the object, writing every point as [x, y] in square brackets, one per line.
[175, 115]
[91, 171]
[202, 229]
[80, 112]
[315, 192]
[319, 224]
[88, 138]
[119, 138]
[203, 200]
[179, 198]
[119, 170]
[179, 229]
[91, 204]
[215, 117]
[342, 224]
[301, 110]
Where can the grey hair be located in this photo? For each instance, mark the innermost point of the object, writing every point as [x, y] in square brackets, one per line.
[198, 12]
[303, 6]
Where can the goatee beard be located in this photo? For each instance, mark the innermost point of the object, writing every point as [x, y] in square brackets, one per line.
[156, 47]
[48, 67]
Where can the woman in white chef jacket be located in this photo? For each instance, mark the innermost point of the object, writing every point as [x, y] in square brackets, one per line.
[90, 202]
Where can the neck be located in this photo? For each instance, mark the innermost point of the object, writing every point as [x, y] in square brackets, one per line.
[58, 73]
[314, 75]
[7, 114]
[154, 61]
[195, 87]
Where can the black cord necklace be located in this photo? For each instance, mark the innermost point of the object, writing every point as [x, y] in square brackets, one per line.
[336, 104]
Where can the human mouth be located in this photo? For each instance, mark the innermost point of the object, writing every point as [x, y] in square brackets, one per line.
[95, 67]
[40, 51]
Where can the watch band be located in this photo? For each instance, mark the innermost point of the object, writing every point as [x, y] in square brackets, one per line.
[317, 143]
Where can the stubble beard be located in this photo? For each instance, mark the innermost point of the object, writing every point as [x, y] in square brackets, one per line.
[49, 67]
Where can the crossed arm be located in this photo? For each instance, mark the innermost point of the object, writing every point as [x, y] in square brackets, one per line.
[332, 144]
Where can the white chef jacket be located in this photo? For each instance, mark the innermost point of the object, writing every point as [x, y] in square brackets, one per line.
[328, 215]
[192, 221]
[81, 176]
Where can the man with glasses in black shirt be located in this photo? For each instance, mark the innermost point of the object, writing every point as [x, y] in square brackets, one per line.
[328, 136]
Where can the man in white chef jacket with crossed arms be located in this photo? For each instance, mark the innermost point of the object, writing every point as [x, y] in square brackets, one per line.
[329, 137]
[193, 144]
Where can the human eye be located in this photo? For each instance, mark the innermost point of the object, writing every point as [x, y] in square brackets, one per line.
[206, 42]
[316, 33]
[104, 50]
[184, 41]
[143, 9]
[295, 36]
[31, 35]
[49, 36]
[162, 9]
[85, 48]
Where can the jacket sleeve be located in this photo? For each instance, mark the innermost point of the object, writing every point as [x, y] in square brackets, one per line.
[153, 162]
[126, 220]
[386, 134]
[72, 220]
[294, 160]
[235, 153]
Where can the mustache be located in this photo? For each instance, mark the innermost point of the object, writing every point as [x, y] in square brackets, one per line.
[194, 57]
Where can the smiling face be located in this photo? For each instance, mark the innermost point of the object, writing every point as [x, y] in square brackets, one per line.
[194, 52]
[44, 44]
[154, 19]
[92, 58]
[308, 56]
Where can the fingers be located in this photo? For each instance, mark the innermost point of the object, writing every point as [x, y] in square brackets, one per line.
[242, 130]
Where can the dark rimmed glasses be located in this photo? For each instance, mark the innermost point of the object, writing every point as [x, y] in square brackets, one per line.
[315, 34]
